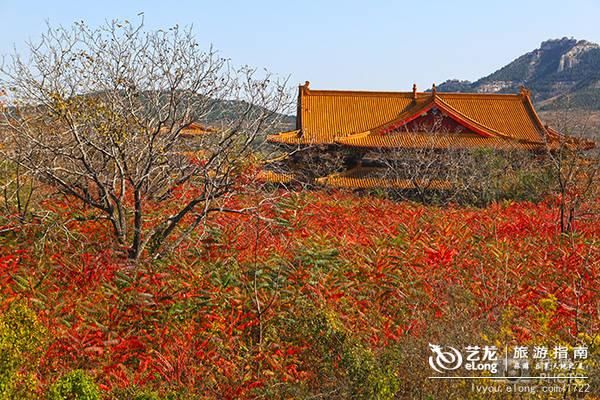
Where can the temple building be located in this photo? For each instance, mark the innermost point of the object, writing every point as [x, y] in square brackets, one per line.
[351, 126]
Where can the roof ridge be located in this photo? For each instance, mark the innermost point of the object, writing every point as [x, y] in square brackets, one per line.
[536, 117]
[342, 92]
[313, 92]
[479, 95]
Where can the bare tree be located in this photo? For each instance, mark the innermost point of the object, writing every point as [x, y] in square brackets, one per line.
[574, 158]
[443, 166]
[17, 189]
[99, 113]
[435, 165]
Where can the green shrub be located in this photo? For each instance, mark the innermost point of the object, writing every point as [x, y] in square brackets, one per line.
[492, 177]
[75, 385]
[134, 393]
[21, 340]
[345, 365]
[146, 396]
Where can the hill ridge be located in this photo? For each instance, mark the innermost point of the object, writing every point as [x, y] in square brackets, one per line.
[561, 73]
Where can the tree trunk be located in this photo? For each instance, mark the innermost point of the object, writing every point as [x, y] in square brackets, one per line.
[136, 244]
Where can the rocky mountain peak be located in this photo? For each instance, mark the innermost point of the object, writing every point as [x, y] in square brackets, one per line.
[553, 44]
[573, 56]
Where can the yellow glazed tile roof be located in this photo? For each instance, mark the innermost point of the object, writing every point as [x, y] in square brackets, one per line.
[328, 116]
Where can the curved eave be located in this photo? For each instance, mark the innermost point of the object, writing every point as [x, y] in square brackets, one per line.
[288, 137]
[557, 139]
[294, 138]
[433, 141]
[268, 176]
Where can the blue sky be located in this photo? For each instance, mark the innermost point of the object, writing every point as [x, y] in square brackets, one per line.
[377, 45]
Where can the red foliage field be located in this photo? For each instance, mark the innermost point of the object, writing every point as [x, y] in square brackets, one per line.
[249, 306]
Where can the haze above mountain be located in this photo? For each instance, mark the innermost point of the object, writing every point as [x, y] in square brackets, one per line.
[561, 73]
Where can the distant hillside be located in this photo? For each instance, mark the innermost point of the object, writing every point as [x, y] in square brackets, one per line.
[226, 110]
[561, 73]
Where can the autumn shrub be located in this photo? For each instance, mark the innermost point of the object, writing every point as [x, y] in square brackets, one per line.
[329, 295]
[341, 364]
[75, 385]
[21, 345]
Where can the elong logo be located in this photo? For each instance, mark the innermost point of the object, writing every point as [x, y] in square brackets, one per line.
[442, 361]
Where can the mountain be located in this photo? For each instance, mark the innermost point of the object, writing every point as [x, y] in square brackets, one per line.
[560, 73]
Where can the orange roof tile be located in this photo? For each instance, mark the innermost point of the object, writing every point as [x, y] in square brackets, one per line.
[269, 176]
[420, 140]
[191, 130]
[369, 178]
[196, 129]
